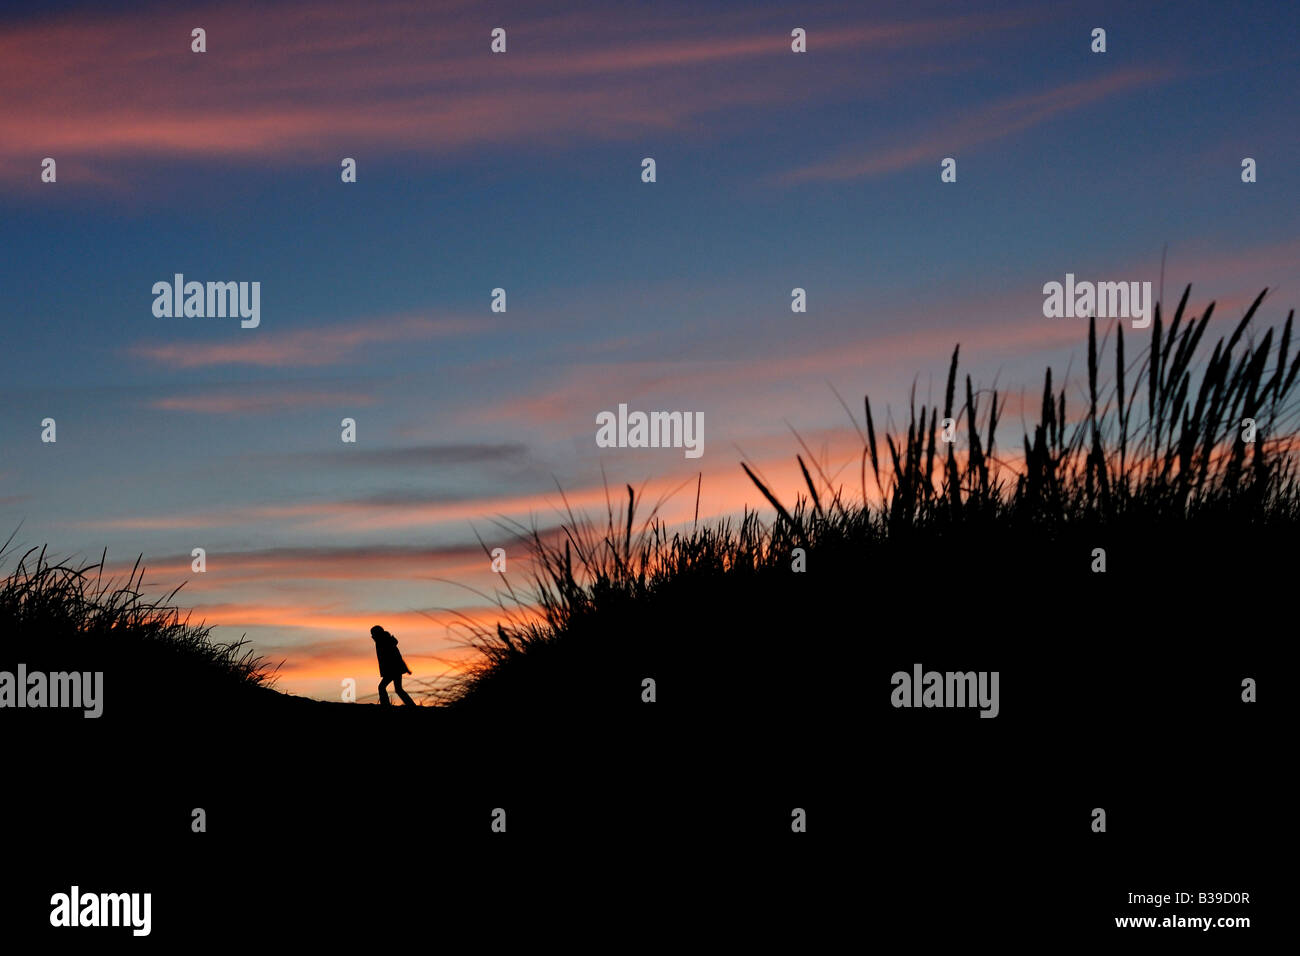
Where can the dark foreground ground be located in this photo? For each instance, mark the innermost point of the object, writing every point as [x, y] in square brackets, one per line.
[631, 825]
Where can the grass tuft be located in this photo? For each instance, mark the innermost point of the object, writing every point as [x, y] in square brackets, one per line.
[1178, 483]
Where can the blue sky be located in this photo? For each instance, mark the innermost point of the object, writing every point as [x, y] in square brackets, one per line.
[522, 170]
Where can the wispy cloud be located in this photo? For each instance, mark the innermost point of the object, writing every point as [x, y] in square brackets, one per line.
[380, 511]
[314, 347]
[356, 562]
[463, 453]
[242, 403]
[972, 128]
[395, 76]
[413, 511]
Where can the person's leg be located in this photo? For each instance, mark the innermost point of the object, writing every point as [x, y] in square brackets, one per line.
[397, 686]
[383, 693]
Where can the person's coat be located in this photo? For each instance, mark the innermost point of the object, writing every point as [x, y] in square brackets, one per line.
[391, 664]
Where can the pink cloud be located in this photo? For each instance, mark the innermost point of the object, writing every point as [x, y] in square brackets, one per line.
[304, 347]
[299, 81]
[362, 562]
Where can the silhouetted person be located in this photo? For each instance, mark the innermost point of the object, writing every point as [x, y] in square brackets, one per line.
[391, 666]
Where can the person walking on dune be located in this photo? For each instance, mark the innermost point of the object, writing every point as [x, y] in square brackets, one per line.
[391, 666]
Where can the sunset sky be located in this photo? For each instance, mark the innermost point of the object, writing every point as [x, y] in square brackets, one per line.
[522, 170]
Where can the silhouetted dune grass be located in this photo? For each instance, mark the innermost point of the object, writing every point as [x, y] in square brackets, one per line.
[942, 546]
[56, 616]
[959, 547]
